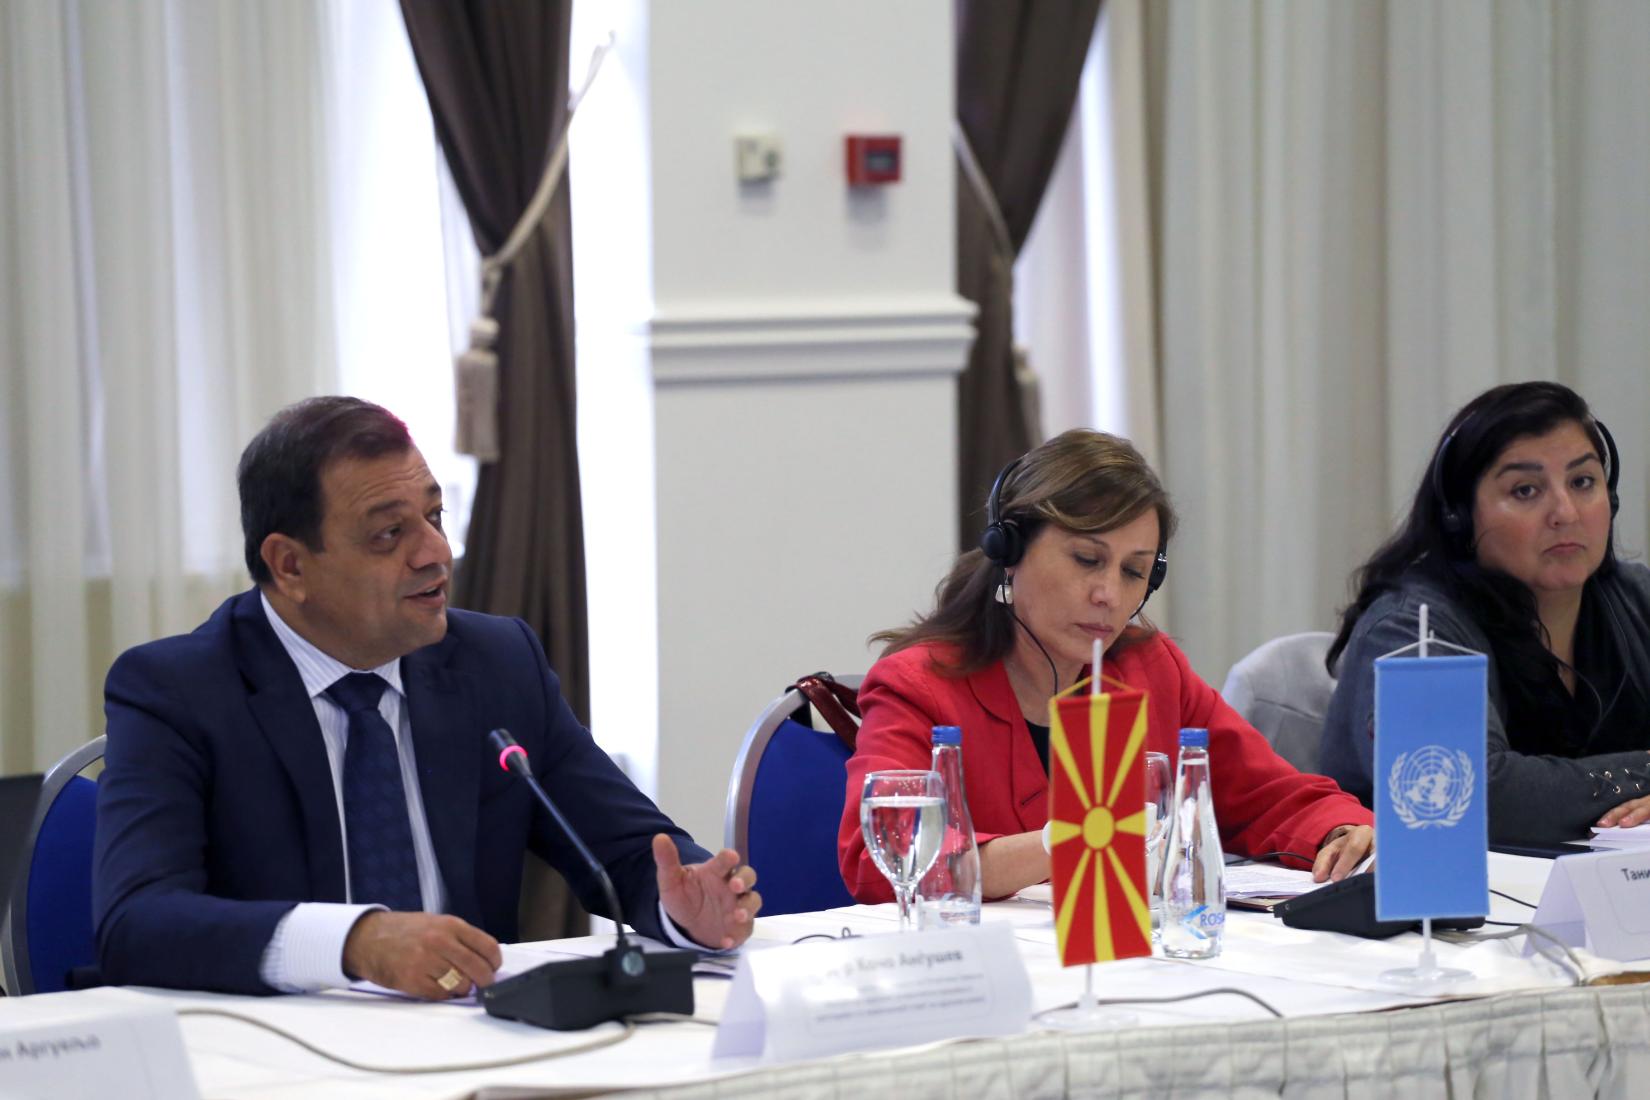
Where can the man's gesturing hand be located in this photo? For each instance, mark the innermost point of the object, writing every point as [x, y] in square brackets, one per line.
[712, 902]
[411, 952]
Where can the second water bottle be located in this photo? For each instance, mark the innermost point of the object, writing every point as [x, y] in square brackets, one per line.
[1194, 869]
[950, 892]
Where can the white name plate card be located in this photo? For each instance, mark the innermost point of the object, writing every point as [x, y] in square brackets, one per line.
[101, 1043]
[1599, 901]
[815, 999]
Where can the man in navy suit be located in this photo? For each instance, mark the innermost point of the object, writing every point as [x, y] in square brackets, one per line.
[300, 793]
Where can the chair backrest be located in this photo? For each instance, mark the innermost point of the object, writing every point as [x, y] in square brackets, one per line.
[48, 926]
[1283, 690]
[785, 802]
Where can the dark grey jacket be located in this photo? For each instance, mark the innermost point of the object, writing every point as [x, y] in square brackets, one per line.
[1533, 799]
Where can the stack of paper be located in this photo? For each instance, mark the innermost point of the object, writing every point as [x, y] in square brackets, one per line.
[1267, 880]
[1617, 837]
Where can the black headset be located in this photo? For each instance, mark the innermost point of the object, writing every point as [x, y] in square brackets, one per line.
[1003, 543]
[1458, 524]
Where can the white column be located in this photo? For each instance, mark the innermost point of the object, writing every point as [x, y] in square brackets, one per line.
[788, 363]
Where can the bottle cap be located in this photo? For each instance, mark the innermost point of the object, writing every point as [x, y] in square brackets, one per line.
[948, 735]
[1194, 739]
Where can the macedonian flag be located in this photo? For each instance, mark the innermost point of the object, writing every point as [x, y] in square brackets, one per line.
[1097, 803]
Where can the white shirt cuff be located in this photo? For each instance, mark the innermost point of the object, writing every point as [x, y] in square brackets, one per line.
[306, 952]
[680, 938]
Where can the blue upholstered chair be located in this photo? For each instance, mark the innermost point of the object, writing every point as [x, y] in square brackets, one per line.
[785, 802]
[48, 926]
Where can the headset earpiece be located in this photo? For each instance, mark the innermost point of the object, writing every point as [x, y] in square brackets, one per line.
[1612, 465]
[1154, 580]
[1001, 541]
[1456, 525]
[1160, 570]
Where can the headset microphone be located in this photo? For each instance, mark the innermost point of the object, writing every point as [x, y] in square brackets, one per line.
[573, 994]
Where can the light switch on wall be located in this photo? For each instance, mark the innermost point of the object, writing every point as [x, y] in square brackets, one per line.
[756, 157]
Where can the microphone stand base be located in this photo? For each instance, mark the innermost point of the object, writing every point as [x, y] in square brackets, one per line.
[574, 994]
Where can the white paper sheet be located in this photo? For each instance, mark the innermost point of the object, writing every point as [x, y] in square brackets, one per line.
[1617, 837]
[1267, 880]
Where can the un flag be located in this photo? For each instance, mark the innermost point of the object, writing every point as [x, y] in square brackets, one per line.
[1431, 826]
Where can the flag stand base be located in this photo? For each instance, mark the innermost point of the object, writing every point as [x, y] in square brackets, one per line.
[1426, 972]
[1086, 1014]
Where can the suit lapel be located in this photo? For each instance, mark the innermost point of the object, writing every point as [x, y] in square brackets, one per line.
[286, 717]
[1028, 783]
[447, 741]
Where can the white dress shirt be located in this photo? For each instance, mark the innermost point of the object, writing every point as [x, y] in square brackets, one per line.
[306, 952]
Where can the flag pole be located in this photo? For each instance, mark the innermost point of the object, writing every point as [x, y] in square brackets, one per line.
[1087, 1006]
[1426, 969]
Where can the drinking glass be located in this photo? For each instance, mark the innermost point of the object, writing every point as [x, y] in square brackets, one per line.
[1159, 794]
[902, 814]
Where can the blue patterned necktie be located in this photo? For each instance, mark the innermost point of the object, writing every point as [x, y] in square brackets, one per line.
[382, 867]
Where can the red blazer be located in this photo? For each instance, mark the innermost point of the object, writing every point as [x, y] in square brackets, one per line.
[1261, 802]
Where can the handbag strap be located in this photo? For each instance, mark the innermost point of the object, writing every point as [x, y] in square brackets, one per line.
[836, 702]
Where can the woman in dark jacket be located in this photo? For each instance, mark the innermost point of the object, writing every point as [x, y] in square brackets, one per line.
[1509, 544]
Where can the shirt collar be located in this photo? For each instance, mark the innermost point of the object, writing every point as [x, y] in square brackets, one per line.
[318, 669]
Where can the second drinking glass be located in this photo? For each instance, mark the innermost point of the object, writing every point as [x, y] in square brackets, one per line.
[902, 814]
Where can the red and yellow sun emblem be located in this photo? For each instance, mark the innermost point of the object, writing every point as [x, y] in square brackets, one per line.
[1097, 798]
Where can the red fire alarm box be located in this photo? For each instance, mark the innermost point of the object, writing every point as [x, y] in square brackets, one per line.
[873, 159]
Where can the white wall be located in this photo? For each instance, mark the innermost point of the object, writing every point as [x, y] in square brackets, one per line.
[788, 352]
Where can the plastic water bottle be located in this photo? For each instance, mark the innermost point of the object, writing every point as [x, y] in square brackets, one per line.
[950, 892]
[1194, 871]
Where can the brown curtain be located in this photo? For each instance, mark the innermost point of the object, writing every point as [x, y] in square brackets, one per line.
[496, 73]
[1018, 67]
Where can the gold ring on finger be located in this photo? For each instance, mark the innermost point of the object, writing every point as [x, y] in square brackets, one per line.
[451, 980]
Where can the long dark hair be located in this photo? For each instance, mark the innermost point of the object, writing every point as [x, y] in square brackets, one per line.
[1080, 480]
[1503, 606]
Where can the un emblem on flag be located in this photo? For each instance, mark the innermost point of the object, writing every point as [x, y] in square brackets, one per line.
[1431, 786]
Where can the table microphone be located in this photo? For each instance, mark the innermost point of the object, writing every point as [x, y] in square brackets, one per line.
[573, 994]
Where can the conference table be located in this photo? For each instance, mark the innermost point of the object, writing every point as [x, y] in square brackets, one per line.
[1521, 1027]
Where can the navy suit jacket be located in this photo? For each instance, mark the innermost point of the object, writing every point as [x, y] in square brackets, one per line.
[217, 814]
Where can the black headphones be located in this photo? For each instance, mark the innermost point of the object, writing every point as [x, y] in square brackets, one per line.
[1003, 543]
[1458, 525]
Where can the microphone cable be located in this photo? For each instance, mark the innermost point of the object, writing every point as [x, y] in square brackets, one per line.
[1545, 944]
[597, 1043]
[1223, 991]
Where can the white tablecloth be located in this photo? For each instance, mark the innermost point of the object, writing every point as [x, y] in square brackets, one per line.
[1534, 1036]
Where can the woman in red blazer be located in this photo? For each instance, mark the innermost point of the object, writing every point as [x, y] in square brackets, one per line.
[1076, 542]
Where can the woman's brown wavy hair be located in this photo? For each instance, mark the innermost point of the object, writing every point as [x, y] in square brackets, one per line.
[1081, 480]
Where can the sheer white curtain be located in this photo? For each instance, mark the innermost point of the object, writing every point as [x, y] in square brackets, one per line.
[1268, 157]
[1081, 309]
[1331, 225]
[405, 270]
[164, 286]
[1084, 298]
[1365, 214]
